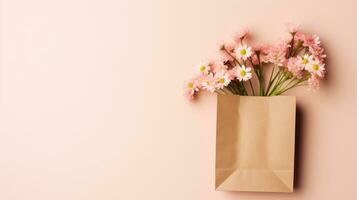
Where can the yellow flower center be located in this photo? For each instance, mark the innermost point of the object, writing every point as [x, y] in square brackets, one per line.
[315, 67]
[243, 52]
[221, 80]
[305, 61]
[243, 73]
[202, 68]
[190, 85]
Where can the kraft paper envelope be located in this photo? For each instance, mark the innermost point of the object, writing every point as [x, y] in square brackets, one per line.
[255, 143]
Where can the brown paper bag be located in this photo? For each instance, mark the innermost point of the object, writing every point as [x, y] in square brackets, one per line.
[255, 143]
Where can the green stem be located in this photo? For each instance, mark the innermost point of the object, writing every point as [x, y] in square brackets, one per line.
[229, 92]
[224, 92]
[274, 82]
[282, 82]
[289, 86]
[237, 88]
[243, 88]
[292, 45]
[218, 92]
[251, 86]
[270, 80]
[277, 84]
[261, 82]
[277, 88]
[234, 58]
[260, 75]
[289, 83]
[297, 49]
[232, 88]
[293, 86]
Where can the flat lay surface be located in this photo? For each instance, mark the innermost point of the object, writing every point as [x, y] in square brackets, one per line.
[91, 103]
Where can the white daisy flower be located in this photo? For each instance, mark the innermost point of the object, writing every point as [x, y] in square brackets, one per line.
[209, 83]
[191, 86]
[243, 51]
[222, 79]
[243, 73]
[204, 69]
[315, 67]
[305, 60]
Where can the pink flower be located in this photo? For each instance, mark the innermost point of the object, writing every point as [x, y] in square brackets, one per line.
[226, 56]
[230, 46]
[314, 83]
[259, 47]
[200, 78]
[318, 52]
[300, 56]
[191, 87]
[255, 59]
[317, 40]
[292, 27]
[209, 82]
[275, 55]
[295, 67]
[217, 66]
[313, 44]
[227, 52]
[309, 41]
[244, 33]
[299, 36]
[232, 74]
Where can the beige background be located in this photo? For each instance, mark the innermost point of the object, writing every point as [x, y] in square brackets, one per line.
[91, 102]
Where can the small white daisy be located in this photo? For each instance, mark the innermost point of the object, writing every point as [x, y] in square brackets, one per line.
[306, 60]
[209, 83]
[315, 67]
[243, 51]
[243, 73]
[191, 86]
[222, 79]
[204, 69]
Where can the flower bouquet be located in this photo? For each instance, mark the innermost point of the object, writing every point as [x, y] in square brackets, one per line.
[255, 126]
[297, 60]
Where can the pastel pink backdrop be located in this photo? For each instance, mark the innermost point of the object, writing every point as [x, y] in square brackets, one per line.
[91, 104]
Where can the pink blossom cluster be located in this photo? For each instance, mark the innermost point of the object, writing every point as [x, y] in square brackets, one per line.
[215, 77]
[296, 61]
